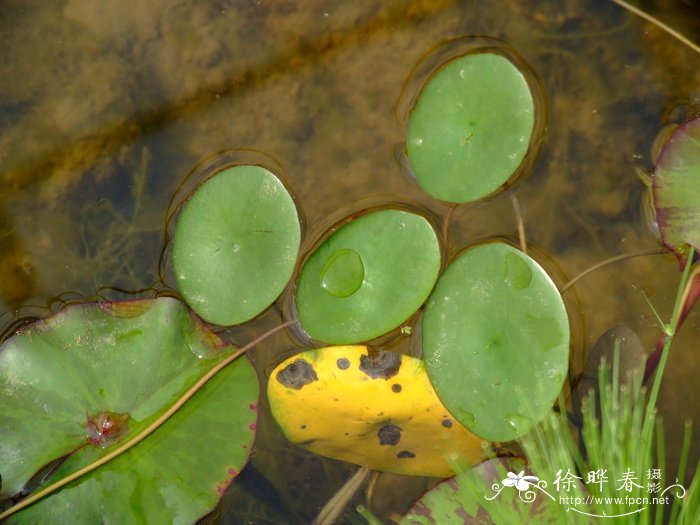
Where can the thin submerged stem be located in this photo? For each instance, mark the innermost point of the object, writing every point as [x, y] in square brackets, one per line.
[446, 222]
[606, 262]
[658, 23]
[519, 218]
[335, 506]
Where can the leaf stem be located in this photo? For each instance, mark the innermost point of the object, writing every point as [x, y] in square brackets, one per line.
[610, 260]
[146, 431]
[681, 297]
[332, 510]
[519, 220]
[658, 23]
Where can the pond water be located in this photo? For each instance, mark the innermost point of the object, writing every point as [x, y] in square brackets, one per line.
[111, 112]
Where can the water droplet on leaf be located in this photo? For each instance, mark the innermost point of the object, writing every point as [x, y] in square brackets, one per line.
[343, 273]
[518, 423]
[466, 418]
[517, 272]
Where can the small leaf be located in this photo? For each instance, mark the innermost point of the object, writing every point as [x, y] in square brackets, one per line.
[470, 128]
[368, 277]
[676, 189]
[378, 410]
[235, 245]
[496, 341]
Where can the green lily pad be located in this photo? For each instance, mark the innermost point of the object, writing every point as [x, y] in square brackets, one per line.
[497, 491]
[470, 128]
[86, 380]
[496, 341]
[235, 245]
[368, 277]
[676, 189]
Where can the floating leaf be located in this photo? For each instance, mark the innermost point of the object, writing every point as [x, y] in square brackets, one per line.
[378, 410]
[496, 341]
[496, 491]
[470, 128]
[89, 378]
[235, 244]
[676, 189]
[368, 277]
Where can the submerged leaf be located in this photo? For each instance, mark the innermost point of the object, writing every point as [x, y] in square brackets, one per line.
[378, 410]
[89, 378]
[496, 341]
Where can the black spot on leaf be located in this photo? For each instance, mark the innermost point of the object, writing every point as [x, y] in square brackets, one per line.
[297, 374]
[343, 363]
[389, 435]
[405, 454]
[381, 365]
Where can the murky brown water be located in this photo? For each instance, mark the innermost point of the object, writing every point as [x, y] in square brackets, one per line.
[105, 108]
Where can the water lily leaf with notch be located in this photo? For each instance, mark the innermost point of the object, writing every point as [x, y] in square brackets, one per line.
[235, 245]
[676, 189]
[496, 341]
[469, 497]
[378, 410]
[66, 379]
[470, 128]
[368, 277]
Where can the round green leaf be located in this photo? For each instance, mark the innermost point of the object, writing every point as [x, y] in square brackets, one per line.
[470, 128]
[676, 188]
[235, 244]
[368, 277]
[64, 380]
[496, 341]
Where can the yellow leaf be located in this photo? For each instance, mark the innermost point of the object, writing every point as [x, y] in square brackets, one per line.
[375, 409]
